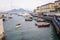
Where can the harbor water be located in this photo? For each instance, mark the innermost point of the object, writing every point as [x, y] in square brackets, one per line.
[28, 30]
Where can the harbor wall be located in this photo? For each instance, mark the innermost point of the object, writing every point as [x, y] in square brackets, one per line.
[2, 33]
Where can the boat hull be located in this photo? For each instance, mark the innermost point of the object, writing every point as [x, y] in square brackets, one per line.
[42, 25]
[28, 19]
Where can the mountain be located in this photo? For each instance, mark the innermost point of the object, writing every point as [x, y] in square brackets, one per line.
[19, 10]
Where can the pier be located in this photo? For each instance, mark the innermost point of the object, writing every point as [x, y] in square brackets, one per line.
[2, 35]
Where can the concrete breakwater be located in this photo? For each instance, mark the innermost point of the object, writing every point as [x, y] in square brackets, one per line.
[2, 33]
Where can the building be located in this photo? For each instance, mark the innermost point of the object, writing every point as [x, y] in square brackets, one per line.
[50, 7]
[57, 6]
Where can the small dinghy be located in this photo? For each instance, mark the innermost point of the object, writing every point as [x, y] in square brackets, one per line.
[18, 25]
[39, 19]
[28, 19]
[10, 17]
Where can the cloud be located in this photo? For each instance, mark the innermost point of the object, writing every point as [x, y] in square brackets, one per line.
[26, 4]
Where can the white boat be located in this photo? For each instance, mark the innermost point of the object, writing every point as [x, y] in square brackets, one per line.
[18, 25]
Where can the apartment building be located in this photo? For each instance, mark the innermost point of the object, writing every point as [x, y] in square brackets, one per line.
[50, 7]
[57, 6]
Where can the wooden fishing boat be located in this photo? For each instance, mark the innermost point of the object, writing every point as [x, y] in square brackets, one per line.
[42, 24]
[28, 19]
[40, 20]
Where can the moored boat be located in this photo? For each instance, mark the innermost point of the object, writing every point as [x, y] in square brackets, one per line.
[10, 17]
[40, 20]
[28, 19]
[42, 24]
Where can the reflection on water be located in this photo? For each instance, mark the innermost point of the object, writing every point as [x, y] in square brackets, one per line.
[28, 30]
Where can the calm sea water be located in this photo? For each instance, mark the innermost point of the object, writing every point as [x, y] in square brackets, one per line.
[28, 30]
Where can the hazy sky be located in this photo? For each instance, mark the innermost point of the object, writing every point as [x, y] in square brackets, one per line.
[26, 4]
